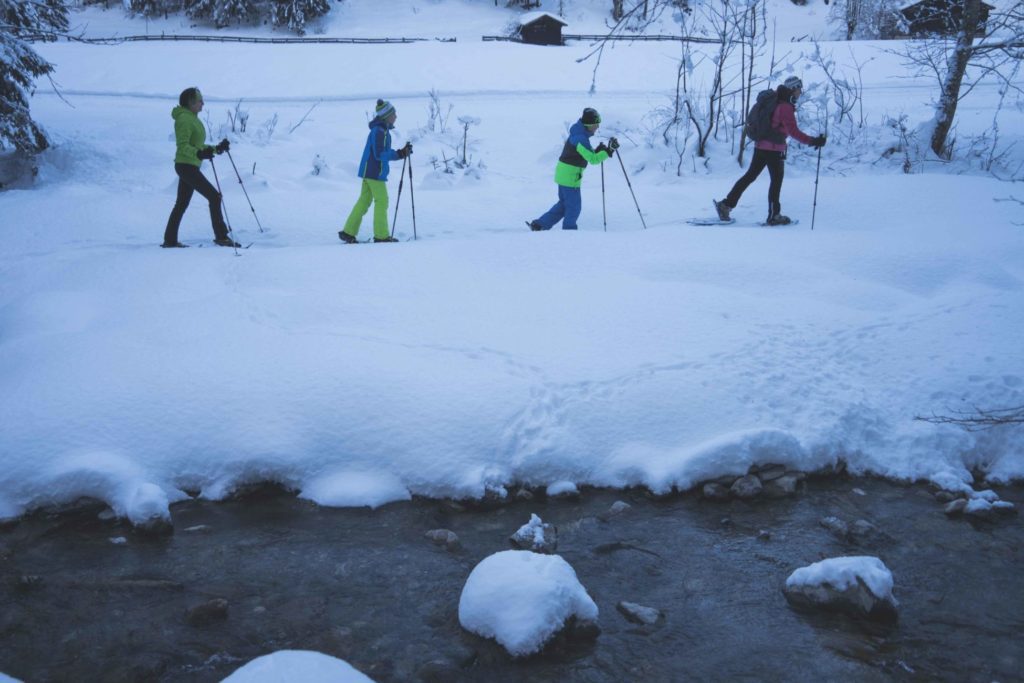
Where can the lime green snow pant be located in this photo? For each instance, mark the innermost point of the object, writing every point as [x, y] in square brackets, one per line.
[375, 192]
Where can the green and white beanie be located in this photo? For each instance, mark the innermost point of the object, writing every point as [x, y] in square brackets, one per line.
[384, 109]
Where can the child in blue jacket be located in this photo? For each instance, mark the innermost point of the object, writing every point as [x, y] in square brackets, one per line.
[373, 169]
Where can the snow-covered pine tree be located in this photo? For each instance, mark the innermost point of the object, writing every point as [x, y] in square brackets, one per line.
[20, 65]
[153, 8]
[200, 9]
[222, 12]
[295, 13]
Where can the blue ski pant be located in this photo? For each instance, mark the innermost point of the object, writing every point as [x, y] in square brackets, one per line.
[567, 209]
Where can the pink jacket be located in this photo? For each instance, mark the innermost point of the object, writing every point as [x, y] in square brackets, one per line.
[784, 121]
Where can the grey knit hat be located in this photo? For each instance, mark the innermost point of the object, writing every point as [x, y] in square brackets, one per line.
[794, 83]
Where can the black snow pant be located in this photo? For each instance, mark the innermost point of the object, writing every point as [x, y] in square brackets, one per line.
[776, 163]
[190, 180]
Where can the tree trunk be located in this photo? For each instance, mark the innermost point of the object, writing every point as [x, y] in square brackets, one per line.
[956, 66]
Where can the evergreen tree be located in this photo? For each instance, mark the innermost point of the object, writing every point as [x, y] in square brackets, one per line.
[20, 65]
[233, 10]
[200, 9]
[153, 8]
[295, 13]
[222, 12]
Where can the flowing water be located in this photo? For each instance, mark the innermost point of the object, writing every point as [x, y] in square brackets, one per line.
[368, 587]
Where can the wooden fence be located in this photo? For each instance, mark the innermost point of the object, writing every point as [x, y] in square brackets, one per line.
[239, 39]
[600, 37]
[354, 41]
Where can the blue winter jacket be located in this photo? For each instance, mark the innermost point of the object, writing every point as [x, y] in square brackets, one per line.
[377, 153]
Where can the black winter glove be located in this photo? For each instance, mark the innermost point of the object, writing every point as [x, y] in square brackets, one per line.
[613, 144]
[405, 151]
[205, 153]
[223, 146]
[818, 142]
[601, 148]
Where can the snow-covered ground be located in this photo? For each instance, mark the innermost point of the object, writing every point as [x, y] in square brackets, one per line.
[481, 354]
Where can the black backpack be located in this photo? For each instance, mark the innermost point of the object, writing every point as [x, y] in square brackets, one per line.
[759, 118]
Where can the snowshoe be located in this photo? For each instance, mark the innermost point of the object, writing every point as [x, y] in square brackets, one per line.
[173, 245]
[347, 238]
[535, 226]
[778, 219]
[384, 239]
[226, 242]
[711, 220]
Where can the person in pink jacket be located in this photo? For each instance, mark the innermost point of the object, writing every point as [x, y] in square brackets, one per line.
[770, 152]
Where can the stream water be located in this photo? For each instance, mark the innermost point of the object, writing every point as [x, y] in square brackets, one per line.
[368, 587]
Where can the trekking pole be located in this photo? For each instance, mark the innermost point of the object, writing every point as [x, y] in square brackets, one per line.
[398, 199]
[621, 163]
[814, 208]
[604, 209]
[412, 198]
[224, 206]
[239, 176]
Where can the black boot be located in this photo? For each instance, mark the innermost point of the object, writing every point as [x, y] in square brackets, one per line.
[775, 216]
[173, 245]
[347, 238]
[226, 242]
[723, 210]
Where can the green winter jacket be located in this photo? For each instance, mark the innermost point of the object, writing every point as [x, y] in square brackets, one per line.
[189, 136]
[576, 154]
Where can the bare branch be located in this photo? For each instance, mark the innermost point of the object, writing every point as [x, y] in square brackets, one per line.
[292, 129]
[979, 419]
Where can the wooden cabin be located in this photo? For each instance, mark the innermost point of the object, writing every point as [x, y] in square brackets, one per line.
[541, 28]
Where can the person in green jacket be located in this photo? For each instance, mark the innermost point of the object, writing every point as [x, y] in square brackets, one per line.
[576, 154]
[190, 138]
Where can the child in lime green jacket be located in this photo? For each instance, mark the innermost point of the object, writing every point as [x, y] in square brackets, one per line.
[576, 154]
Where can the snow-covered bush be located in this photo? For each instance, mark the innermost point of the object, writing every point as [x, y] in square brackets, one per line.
[319, 165]
[449, 152]
[238, 117]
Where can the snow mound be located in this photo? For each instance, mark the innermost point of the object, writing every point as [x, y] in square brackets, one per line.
[560, 488]
[112, 478]
[286, 666]
[521, 599]
[355, 489]
[843, 572]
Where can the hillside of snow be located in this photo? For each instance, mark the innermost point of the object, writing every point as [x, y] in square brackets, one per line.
[482, 355]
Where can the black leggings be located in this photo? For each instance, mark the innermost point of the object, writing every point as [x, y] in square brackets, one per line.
[191, 180]
[776, 163]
